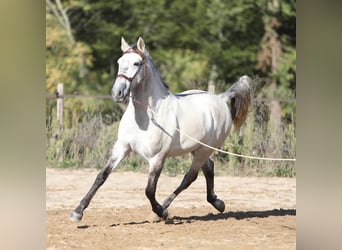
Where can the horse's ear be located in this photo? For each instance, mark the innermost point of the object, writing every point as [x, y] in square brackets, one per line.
[141, 45]
[124, 45]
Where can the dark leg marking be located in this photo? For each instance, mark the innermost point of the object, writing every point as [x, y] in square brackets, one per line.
[77, 214]
[189, 178]
[150, 192]
[208, 171]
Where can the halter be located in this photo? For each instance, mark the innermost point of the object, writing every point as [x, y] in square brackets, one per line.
[143, 62]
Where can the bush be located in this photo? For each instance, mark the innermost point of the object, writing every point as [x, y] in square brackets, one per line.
[259, 138]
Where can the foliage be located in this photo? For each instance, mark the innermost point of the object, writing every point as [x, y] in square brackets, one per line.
[178, 63]
[63, 57]
[226, 34]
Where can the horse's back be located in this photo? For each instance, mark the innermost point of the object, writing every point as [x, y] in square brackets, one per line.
[190, 92]
[204, 104]
[203, 116]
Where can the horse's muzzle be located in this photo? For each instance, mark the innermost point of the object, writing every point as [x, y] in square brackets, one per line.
[120, 90]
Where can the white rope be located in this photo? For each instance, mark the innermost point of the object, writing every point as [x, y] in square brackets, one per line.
[216, 149]
[234, 154]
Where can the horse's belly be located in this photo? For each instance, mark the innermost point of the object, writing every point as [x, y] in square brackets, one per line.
[189, 143]
[178, 151]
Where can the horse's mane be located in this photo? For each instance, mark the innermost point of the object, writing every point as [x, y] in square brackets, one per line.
[154, 67]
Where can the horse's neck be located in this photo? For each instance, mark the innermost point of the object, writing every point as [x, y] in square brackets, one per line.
[151, 91]
[145, 101]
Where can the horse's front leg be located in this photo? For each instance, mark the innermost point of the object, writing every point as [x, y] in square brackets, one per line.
[156, 166]
[119, 152]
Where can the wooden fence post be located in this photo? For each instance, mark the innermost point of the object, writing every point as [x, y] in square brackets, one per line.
[211, 88]
[212, 78]
[60, 105]
[60, 121]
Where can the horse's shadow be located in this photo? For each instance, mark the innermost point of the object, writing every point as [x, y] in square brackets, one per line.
[239, 215]
[221, 216]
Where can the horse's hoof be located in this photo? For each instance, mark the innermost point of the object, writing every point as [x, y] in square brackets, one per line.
[74, 216]
[219, 205]
[165, 214]
[154, 217]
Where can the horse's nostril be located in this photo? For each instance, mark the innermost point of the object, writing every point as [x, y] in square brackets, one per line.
[120, 93]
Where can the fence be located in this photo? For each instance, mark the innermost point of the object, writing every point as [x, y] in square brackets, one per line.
[59, 95]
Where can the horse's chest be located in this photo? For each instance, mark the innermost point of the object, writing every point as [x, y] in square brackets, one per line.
[146, 143]
[146, 136]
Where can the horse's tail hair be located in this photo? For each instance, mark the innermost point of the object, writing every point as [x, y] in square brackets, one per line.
[239, 95]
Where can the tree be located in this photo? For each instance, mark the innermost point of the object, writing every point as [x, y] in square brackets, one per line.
[277, 55]
[66, 57]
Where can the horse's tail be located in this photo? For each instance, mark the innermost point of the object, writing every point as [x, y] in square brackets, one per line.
[240, 97]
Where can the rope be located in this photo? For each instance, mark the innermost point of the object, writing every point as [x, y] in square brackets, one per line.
[147, 106]
[234, 154]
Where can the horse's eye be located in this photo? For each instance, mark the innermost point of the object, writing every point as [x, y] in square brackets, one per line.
[136, 64]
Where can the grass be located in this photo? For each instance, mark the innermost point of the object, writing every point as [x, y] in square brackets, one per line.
[88, 144]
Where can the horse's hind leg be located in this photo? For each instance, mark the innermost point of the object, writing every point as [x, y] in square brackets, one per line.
[119, 152]
[190, 176]
[208, 171]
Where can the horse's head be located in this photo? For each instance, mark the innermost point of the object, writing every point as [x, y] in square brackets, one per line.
[131, 70]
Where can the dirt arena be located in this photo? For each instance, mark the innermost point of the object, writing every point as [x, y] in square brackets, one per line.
[260, 213]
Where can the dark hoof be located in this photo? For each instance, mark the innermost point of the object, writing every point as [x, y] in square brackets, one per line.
[74, 216]
[219, 205]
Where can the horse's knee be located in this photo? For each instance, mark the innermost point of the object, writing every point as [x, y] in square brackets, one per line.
[103, 175]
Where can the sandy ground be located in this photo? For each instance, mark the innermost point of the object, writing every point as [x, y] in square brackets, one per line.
[260, 213]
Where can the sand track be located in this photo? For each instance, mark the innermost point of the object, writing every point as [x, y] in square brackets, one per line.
[260, 213]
